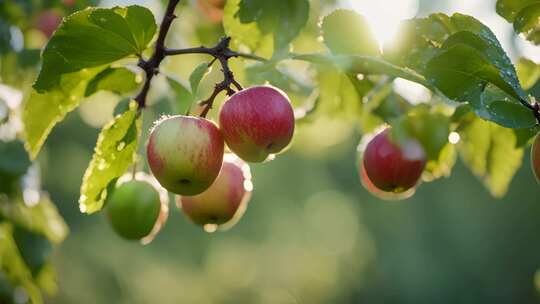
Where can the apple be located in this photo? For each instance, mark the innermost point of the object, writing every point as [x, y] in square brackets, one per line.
[137, 208]
[185, 153]
[48, 21]
[393, 167]
[225, 201]
[212, 9]
[256, 122]
[535, 157]
[384, 195]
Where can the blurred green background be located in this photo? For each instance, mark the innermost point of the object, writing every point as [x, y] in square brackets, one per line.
[311, 233]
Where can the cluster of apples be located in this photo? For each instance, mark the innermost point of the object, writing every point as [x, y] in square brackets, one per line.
[391, 170]
[186, 155]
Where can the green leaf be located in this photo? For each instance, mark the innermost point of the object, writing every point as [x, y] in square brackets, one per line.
[5, 37]
[184, 98]
[13, 265]
[527, 22]
[503, 109]
[489, 150]
[283, 18]
[42, 111]
[14, 161]
[441, 166]
[461, 72]
[338, 95]
[486, 43]
[94, 37]
[117, 80]
[196, 76]
[509, 9]
[42, 218]
[430, 128]
[525, 136]
[114, 153]
[346, 32]
[417, 41]
[528, 72]
[247, 34]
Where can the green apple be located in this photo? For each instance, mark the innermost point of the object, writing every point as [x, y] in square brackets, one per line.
[225, 201]
[134, 209]
[185, 153]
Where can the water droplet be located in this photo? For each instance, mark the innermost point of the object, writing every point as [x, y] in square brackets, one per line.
[102, 164]
[121, 146]
[210, 228]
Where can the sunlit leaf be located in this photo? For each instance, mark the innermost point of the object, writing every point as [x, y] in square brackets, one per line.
[114, 153]
[528, 72]
[346, 32]
[13, 265]
[490, 151]
[197, 75]
[41, 112]
[42, 218]
[247, 34]
[94, 37]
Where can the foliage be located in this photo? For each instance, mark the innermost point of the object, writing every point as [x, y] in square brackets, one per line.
[476, 92]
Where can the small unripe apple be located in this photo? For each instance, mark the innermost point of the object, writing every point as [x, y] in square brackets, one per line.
[225, 201]
[185, 153]
[535, 157]
[134, 209]
[393, 167]
[256, 122]
[48, 21]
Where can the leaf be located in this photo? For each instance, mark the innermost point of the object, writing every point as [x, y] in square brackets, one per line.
[486, 43]
[114, 153]
[5, 37]
[14, 161]
[13, 265]
[501, 108]
[525, 136]
[461, 73]
[528, 72]
[429, 127]
[442, 166]
[94, 37]
[42, 218]
[509, 9]
[527, 22]
[346, 32]
[196, 76]
[117, 80]
[489, 150]
[417, 41]
[184, 98]
[41, 112]
[284, 18]
[247, 34]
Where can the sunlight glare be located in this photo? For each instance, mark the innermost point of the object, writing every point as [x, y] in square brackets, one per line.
[384, 16]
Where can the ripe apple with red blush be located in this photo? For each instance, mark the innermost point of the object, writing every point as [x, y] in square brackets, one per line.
[384, 195]
[391, 166]
[212, 9]
[226, 199]
[185, 153]
[47, 22]
[257, 122]
[535, 157]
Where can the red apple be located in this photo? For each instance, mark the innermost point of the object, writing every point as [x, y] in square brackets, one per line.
[48, 21]
[371, 188]
[212, 9]
[185, 153]
[225, 201]
[535, 157]
[256, 122]
[392, 167]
